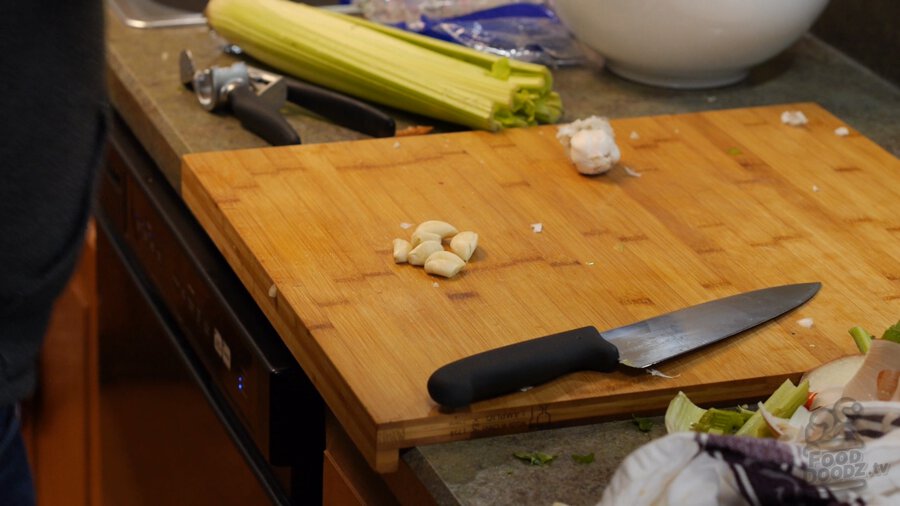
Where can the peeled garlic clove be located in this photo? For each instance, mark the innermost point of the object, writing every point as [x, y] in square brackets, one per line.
[401, 250]
[444, 263]
[420, 253]
[464, 244]
[420, 236]
[440, 228]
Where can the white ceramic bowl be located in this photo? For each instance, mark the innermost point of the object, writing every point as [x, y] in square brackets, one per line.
[687, 43]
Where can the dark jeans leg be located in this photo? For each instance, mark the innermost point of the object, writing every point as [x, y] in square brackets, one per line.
[16, 487]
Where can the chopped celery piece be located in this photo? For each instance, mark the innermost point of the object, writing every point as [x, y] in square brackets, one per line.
[583, 459]
[389, 66]
[782, 404]
[720, 421]
[892, 333]
[862, 339]
[682, 414]
[643, 424]
[746, 413]
[535, 458]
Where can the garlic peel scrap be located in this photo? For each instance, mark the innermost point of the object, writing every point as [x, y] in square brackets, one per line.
[794, 118]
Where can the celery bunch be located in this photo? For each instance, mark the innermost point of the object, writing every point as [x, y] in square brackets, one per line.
[389, 66]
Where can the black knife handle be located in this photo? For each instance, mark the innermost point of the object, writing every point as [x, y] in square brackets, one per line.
[341, 109]
[261, 118]
[516, 366]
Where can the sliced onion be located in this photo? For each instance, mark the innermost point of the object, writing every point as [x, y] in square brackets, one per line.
[873, 381]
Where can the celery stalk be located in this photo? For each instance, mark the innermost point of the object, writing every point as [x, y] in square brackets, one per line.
[862, 339]
[682, 414]
[782, 403]
[721, 421]
[389, 66]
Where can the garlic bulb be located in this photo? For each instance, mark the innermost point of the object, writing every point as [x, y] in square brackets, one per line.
[591, 144]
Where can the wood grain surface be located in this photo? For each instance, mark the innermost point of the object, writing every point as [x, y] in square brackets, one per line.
[726, 202]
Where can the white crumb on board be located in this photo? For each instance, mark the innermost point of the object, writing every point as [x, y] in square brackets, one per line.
[842, 131]
[634, 135]
[806, 323]
[815, 189]
[396, 144]
[435, 284]
[405, 225]
[660, 374]
[273, 291]
[631, 172]
[794, 118]
[537, 228]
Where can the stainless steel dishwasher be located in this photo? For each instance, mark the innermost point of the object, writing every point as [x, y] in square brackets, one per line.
[201, 402]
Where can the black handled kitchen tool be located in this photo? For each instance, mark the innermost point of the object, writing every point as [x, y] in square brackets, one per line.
[255, 105]
[642, 344]
[339, 109]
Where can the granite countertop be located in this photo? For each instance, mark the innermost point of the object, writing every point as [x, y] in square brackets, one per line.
[145, 90]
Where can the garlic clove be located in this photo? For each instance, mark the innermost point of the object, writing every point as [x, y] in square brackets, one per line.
[464, 244]
[420, 236]
[402, 248]
[420, 253]
[441, 228]
[444, 263]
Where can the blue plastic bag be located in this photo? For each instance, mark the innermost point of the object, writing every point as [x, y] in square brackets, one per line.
[524, 31]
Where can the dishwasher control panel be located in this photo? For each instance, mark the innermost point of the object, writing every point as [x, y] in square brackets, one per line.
[238, 348]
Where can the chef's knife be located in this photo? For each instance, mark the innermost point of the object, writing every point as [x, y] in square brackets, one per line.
[642, 344]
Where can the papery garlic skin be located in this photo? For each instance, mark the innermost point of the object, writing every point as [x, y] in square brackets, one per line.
[794, 118]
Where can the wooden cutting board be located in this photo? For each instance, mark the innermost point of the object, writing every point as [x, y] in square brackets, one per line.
[726, 202]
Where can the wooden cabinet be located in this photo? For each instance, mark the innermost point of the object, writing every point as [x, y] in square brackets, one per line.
[60, 422]
[348, 480]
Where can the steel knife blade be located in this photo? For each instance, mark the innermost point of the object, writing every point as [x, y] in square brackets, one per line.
[516, 366]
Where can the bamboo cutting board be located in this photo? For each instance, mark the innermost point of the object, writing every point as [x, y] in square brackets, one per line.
[726, 202]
